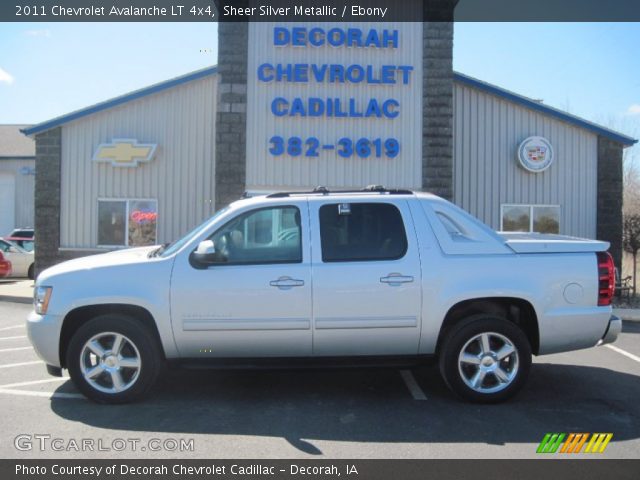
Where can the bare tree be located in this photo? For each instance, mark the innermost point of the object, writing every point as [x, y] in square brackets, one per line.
[631, 239]
[631, 190]
[631, 209]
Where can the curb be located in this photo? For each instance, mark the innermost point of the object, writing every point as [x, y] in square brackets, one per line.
[15, 299]
[627, 314]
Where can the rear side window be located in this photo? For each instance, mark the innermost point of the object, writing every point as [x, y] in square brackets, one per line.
[352, 232]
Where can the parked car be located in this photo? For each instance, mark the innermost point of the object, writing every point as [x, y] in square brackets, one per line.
[25, 244]
[319, 278]
[5, 266]
[23, 237]
[24, 232]
[22, 260]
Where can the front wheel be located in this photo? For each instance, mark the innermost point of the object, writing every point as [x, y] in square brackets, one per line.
[114, 359]
[485, 359]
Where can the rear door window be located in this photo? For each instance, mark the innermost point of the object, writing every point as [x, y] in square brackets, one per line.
[352, 232]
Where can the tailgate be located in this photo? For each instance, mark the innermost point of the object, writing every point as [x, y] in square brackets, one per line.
[549, 243]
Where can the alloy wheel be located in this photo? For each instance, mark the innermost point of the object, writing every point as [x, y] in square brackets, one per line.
[488, 362]
[110, 362]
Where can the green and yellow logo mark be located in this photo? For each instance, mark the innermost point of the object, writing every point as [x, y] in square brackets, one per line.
[574, 442]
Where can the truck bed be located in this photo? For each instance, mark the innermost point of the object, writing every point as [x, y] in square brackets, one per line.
[550, 243]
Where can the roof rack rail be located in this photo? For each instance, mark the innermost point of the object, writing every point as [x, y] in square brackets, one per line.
[322, 190]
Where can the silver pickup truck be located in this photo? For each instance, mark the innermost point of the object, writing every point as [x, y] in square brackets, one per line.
[363, 277]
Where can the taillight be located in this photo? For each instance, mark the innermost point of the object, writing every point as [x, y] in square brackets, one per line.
[606, 278]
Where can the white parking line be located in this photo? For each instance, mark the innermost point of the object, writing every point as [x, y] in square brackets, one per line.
[29, 393]
[624, 352]
[21, 364]
[15, 349]
[13, 338]
[34, 382]
[412, 385]
[11, 328]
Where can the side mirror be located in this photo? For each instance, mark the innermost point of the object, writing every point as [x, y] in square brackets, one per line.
[13, 250]
[204, 255]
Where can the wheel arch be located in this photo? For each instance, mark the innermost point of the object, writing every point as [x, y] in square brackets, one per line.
[78, 316]
[516, 310]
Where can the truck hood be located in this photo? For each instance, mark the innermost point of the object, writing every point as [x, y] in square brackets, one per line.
[111, 259]
[549, 243]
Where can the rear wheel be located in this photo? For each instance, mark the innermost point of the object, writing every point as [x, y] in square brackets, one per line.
[485, 359]
[114, 359]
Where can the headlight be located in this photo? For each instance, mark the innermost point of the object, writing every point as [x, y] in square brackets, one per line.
[41, 296]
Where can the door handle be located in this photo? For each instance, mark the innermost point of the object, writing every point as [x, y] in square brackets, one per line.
[286, 282]
[394, 279]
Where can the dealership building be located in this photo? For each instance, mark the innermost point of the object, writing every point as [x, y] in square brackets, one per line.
[291, 106]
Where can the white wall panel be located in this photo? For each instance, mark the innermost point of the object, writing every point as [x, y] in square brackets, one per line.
[24, 188]
[487, 133]
[181, 121]
[266, 172]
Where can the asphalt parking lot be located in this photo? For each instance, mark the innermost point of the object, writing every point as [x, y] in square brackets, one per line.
[364, 413]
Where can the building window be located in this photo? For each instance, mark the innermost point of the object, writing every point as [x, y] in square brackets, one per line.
[127, 223]
[530, 218]
[352, 232]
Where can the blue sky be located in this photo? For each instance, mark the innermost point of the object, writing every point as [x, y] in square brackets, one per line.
[49, 69]
[589, 69]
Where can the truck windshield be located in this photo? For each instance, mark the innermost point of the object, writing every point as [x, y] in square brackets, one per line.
[173, 247]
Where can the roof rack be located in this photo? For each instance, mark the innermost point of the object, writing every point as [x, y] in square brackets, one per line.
[322, 190]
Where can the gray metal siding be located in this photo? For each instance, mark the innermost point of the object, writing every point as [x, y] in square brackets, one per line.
[487, 132]
[181, 121]
[24, 189]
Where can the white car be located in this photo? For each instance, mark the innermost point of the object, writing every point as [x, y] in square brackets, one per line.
[21, 260]
[374, 276]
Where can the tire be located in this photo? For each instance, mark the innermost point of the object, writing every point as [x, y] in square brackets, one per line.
[485, 375]
[123, 378]
[30, 272]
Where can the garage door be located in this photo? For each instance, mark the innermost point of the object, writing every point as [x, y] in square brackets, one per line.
[7, 203]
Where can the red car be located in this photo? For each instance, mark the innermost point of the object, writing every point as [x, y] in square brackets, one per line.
[5, 267]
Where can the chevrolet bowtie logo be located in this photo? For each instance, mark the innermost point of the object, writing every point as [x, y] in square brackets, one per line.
[124, 152]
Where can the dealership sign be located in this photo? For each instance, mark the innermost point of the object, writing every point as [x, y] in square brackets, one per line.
[336, 74]
[535, 154]
[334, 104]
[124, 152]
[327, 71]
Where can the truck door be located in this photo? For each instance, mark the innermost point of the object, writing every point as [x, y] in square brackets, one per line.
[254, 302]
[366, 278]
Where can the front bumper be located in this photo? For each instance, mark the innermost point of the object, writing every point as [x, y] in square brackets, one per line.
[613, 330]
[44, 333]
